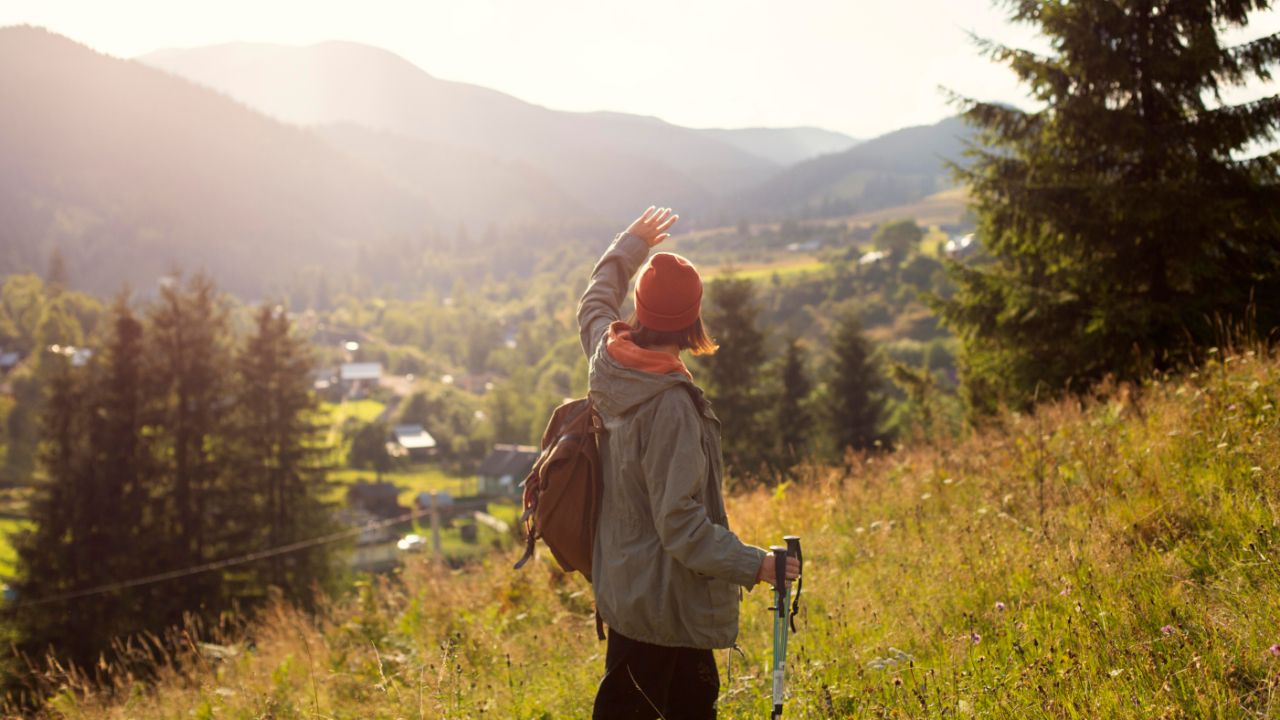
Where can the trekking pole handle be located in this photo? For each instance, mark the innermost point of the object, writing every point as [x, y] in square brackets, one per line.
[780, 577]
[793, 548]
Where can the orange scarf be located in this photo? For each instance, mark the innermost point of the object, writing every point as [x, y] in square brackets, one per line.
[622, 347]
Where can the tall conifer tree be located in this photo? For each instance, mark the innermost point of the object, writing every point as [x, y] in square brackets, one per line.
[734, 375]
[1121, 217]
[89, 528]
[189, 365]
[854, 400]
[280, 473]
[50, 556]
[793, 420]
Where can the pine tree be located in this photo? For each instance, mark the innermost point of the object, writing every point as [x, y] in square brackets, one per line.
[50, 556]
[1121, 219]
[189, 366]
[734, 375]
[854, 403]
[793, 421]
[281, 480]
[57, 273]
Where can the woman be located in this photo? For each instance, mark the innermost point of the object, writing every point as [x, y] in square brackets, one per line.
[666, 570]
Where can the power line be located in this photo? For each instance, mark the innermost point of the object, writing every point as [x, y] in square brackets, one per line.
[215, 565]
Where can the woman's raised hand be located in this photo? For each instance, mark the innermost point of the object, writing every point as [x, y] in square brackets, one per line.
[652, 226]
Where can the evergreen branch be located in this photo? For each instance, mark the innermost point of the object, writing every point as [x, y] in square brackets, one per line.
[1045, 75]
[1254, 58]
[1002, 125]
[1233, 126]
[1266, 166]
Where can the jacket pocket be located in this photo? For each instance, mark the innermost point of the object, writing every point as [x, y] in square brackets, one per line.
[722, 599]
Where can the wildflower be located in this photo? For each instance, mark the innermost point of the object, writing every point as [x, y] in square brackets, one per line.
[976, 638]
[1167, 630]
[1274, 650]
[1000, 606]
[1116, 672]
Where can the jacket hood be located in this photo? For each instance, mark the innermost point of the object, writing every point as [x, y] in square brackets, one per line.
[617, 389]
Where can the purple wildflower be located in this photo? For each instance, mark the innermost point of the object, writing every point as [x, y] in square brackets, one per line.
[1167, 630]
[1274, 650]
[1000, 606]
[976, 638]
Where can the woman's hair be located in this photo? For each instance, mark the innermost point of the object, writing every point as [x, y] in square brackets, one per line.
[693, 338]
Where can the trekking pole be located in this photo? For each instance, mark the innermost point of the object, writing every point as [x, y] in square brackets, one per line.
[783, 616]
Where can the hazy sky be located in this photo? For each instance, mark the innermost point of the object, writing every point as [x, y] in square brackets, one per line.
[859, 66]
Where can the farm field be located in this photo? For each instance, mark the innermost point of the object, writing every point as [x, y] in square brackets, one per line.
[8, 556]
[413, 480]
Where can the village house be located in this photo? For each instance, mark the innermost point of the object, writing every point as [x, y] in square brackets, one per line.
[380, 499]
[505, 468]
[358, 379]
[411, 441]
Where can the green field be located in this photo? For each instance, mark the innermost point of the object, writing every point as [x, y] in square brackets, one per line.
[420, 478]
[786, 266]
[8, 556]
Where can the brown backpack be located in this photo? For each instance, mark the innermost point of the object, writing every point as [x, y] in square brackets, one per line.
[563, 490]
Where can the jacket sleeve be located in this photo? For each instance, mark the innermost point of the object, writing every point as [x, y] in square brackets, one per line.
[602, 302]
[675, 469]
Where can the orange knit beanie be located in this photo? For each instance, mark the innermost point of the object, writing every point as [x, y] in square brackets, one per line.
[668, 293]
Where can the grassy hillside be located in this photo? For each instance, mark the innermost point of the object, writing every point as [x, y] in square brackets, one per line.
[1117, 559]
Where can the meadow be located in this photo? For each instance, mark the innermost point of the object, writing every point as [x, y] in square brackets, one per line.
[1113, 557]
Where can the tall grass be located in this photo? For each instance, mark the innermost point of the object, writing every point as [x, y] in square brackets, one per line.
[1116, 558]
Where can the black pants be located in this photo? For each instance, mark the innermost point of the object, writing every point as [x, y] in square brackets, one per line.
[643, 680]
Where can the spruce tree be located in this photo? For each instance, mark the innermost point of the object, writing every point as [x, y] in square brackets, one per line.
[56, 276]
[280, 473]
[89, 526]
[854, 400]
[116, 528]
[734, 375]
[50, 556]
[1122, 218]
[793, 421]
[189, 368]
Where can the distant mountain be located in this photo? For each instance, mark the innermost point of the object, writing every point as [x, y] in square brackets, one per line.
[610, 163]
[464, 185]
[785, 146]
[893, 169]
[131, 171]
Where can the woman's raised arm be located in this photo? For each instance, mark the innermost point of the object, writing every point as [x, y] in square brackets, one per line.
[602, 302]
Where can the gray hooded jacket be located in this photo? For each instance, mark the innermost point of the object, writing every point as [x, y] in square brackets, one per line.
[666, 569]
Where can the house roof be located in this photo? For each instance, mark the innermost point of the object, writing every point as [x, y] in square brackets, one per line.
[413, 437]
[513, 460]
[362, 371]
[373, 491]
